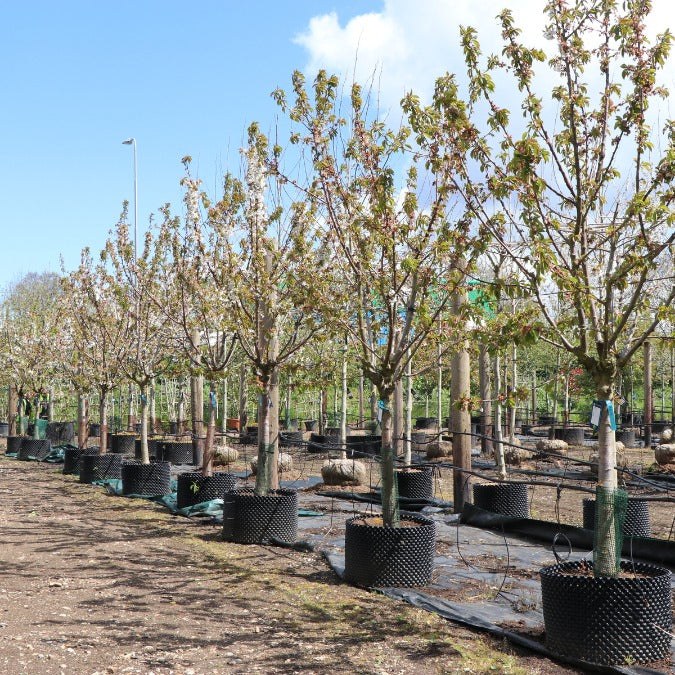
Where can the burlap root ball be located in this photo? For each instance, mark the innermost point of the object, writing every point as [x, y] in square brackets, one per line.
[666, 436]
[224, 455]
[620, 447]
[344, 472]
[665, 453]
[438, 448]
[557, 446]
[285, 463]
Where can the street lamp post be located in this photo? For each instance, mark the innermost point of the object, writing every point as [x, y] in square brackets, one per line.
[132, 141]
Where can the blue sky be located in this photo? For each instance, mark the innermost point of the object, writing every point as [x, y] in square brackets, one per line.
[79, 77]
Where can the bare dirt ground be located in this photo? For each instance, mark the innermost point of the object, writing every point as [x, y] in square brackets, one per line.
[93, 583]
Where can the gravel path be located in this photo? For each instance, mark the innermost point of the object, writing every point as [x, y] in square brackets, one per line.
[92, 583]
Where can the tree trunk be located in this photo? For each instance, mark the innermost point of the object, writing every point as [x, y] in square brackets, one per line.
[397, 423]
[243, 417]
[50, 405]
[153, 407]
[672, 385]
[131, 417]
[390, 510]
[514, 387]
[605, 559]
[145, 414]
[439, 385]
[197, 405]
[648, 403]
[407, 448]
[486, 401]
[360, 398]
[180, 413]
[534, 397]
[460, 422]
[499, 447]
[551, 433]
[103, 419]
[267, 475]
[223, 424]
[343, 410]
[12, 408]
[82, 421]
[207, 458]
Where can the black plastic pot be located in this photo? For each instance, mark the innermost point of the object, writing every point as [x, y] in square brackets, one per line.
[153, 448]
[123, 444]
[509, 499]
[146, 479]
[100, 467]
[195, 488]
[426, 422]
[176, 452]
[607, 620]
[4, 428]
[636, 523]
[381, 556]
[94, 430]
[253, 519]
[34, 449]
[627, 437]
[317, 443]
[71, 458]
[571, 435]
[14, 443]
[311, 425]
[173, 428]
[415, 483]
[249, 438]
[363, 446]
[60, 432]
[289, 438]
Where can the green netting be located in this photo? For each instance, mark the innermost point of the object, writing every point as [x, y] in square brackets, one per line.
[610, 513]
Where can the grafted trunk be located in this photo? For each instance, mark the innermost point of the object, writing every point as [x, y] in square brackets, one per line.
[460, 418]
[648, 403]
[207, 458]
[103, 420]
[197, 403]
[486, 400]
[267, 475]
[12, 408]
[498, 445]
[145, 414]
[390, 511]
[605, 561]
[398, 418]
[407, 447]
[82, 421]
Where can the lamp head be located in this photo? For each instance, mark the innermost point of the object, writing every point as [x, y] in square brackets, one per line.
[129, 141]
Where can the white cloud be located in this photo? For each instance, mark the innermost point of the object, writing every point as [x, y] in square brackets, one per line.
[408, 44]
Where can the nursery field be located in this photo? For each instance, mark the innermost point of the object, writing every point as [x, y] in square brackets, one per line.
[96, 583]
[93, 583]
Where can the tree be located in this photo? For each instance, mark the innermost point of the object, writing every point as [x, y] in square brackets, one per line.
[578, 198]
[199, 309]
[399, 255]
[97, 335]
[135, 283]
[262, 260]
[31, 337]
